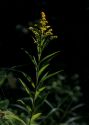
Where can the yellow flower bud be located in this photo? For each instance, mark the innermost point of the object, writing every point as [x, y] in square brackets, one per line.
[43, 15]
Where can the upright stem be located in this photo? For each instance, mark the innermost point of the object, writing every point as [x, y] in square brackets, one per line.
[37, 70]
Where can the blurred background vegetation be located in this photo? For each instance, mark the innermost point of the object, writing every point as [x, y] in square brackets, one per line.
[64, 104]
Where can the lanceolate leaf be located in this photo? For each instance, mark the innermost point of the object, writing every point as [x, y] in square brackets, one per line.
[51, 112]
[23, 108]
[11, 116]
[49, 57]
[77, 106]
[32, 58]
[43, 78]
[29, 79]
[27, 107]
[49, 76]
[33, 85]
[42, 42]
[25, 87]
[73, 119]
[29, 55]
[39, 91]
[49, 104]
[35, 117]
[42, 69]
[27, 76]
[42, 101]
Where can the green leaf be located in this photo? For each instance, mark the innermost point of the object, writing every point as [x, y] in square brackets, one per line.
[25, 87]
[42, 42]
[27, 76]
[11, 116]
[77, 106]
[27, 107]
[29, 79]
[32, 58]
[49, 76]
[23, 108]
[35, 62]
[42, 69]
[42, 101]
[35, 117]
[51, 112]
[43, 78]
[33, 85]
[28, 55]
[48, 103]
[18, 66]
[49, 57]
[73, 119]
[39, 91]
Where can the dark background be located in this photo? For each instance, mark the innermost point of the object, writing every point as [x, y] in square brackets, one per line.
[70, 21]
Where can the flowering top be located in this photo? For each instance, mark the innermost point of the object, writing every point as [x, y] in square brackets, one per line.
[43, 23]
[46, 30]
[43, 32]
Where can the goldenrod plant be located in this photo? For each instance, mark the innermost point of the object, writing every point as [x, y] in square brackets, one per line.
[42, 35]
[36, 108]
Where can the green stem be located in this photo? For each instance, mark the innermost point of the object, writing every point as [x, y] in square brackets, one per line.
[36, 84]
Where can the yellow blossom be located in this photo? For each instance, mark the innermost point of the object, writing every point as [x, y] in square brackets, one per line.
[43, 15]
[44, 30]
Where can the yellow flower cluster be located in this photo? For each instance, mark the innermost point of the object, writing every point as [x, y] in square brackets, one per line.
[43, 20]
[42, 29]
[43, 25]
[46, 30]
